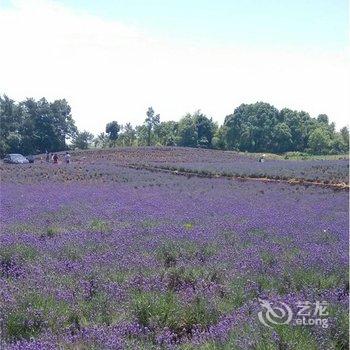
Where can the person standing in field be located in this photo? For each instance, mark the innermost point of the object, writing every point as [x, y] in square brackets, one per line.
[55, 159]
[67, 157]
[262, 159]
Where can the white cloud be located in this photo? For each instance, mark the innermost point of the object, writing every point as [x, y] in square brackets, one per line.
[110, 71]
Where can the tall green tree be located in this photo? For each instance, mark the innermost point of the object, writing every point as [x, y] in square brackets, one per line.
[345, 136]
[219, 141]
[205, 129]
[10, 121]
[187, 132]
[34, 126]
[142, 135]
[196, 130]
[250, 127]
[82, 140]
[101, 140]
[300, 125]
[282, 137]
[166, 133]
[112, 130]
[151, 122]
[319, 141]
[128, 135]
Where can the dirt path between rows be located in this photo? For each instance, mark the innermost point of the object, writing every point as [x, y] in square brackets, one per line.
[335, 186]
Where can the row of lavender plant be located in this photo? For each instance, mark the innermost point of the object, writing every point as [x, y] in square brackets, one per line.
[137, 260]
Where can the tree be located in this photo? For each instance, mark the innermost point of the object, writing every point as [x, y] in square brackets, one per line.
[345, 136]
[34, 126]
[151, 122]
[112, 130]
[187, 132]
[319, 141]
[219, 138]
[300, 125]
[166, 133]
[63, 123]
[250, 127]
[196, 130]
[82, 140]
[323, 118]
[9, 123]
[282, 138]
[205, 129]
[337, 145]
[14, 142]
[128, 136]
[101, 140]
[141, 135]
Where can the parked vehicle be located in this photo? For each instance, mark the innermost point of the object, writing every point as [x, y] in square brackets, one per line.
[15, 158]
[30, 159]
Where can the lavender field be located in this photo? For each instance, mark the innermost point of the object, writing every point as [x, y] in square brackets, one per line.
[98, 255]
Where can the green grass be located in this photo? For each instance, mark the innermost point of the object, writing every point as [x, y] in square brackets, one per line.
[170, 252]
[98, 225]
[180, 275]
[308, 156]
[19, 250]
[296, 338]
[160, 310]
[50, 232]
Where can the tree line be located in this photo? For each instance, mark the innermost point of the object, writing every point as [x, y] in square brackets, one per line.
[32, 127]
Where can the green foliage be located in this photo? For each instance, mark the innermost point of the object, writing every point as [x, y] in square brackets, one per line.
[282, 137]
[260, 127]
[166, 133]
[298, 338]
[344, 132]
[141, 135]
[82, 140]
[196, 130]
[319, 141]
[19, 252]
[219, 141]
[151, 122]
[50, 232]
[112, 130]
[170, 252]
[20, 324]
[187, 134]
[101, 140]
[37, 311]
[128, 136]
[99, 225]
[34, 126]
[250, 127]
[340, 328]
[166, 310]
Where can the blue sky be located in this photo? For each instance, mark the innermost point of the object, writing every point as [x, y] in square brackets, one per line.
[278, 23]
[113, 59]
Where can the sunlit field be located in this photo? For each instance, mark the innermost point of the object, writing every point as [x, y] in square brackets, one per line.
[113, 252]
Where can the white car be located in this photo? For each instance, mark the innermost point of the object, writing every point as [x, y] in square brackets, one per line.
[15, 158]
